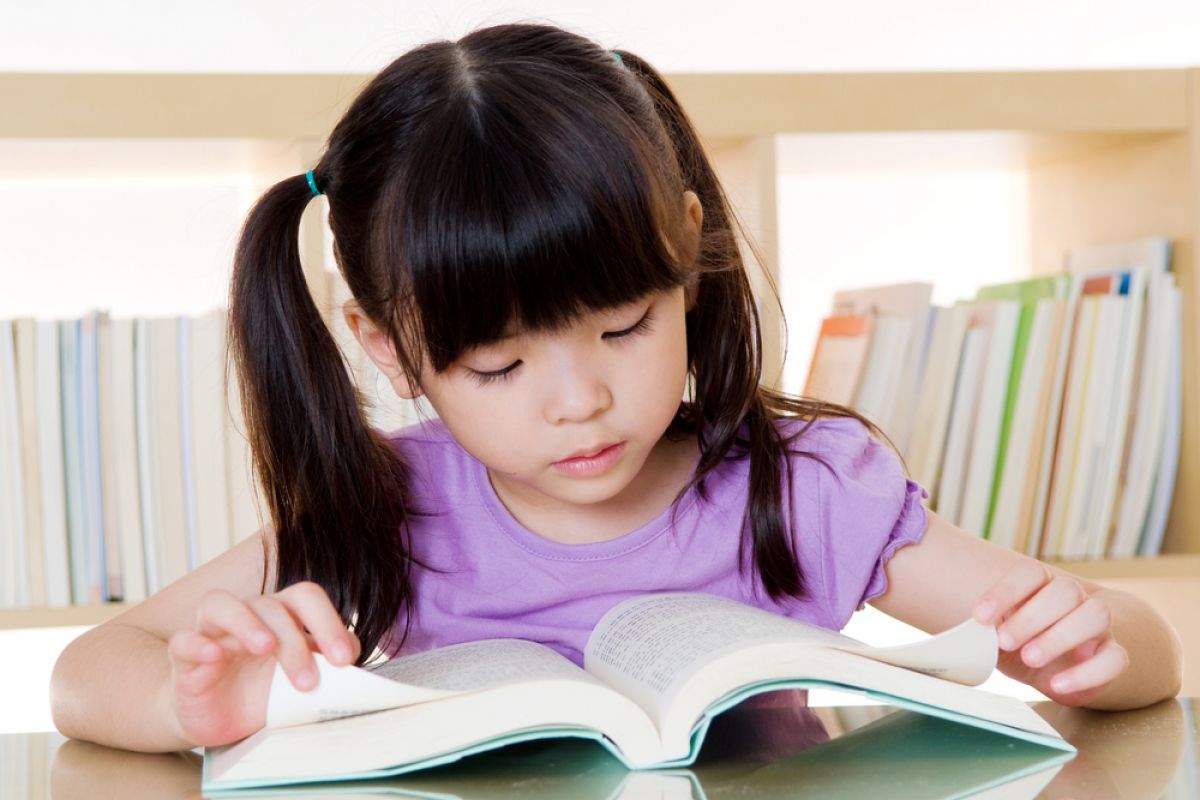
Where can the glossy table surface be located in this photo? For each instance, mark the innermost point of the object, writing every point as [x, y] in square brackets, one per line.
[850, 751]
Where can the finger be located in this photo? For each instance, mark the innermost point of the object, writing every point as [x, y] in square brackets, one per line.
[220, 614]
[293, 651]
[1011, 590]
[189, 650]
[309, 603]
[1089, 621]
[1109, 661]
[1054, 601]
[197, 661]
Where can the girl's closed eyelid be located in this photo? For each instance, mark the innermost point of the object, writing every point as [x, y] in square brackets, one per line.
[641, 326]
[483, 378]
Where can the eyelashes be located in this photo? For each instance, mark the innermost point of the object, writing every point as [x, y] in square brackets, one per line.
[642, 326]
[484, 378]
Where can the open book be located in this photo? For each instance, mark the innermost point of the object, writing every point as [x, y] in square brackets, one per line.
[658, 668]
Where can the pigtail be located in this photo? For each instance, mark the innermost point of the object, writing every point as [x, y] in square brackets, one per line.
[725, 346]
[333, 486]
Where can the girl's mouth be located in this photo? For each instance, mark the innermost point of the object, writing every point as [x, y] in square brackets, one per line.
[591, 465]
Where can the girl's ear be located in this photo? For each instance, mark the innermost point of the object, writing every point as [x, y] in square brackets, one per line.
[380, 350]
[695, 211]
[695, 224]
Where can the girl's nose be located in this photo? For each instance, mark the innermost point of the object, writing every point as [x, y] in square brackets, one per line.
[579, 394]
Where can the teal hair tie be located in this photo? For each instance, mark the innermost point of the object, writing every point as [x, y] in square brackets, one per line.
[617, 56]
[312, 183]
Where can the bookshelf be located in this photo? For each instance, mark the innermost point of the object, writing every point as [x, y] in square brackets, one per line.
[1111, 154]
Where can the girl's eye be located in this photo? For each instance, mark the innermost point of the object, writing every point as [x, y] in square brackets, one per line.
[642, 326]
[484, 378]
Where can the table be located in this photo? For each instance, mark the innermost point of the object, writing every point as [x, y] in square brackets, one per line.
[759, 752]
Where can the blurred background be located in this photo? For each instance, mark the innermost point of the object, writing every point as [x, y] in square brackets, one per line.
[137, 215]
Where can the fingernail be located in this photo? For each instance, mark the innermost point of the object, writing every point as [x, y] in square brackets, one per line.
[984, 611]
[261, 640]
[1006, 639]
[340, 653]
[1033, 656]
[306, 679]
[1061, 685]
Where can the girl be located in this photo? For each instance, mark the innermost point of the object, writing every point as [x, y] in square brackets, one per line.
[536, 242]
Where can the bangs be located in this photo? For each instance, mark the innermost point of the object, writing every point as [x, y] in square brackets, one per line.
[531, 218]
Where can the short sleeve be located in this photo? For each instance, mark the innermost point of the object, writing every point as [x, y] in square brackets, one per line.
[866, 509]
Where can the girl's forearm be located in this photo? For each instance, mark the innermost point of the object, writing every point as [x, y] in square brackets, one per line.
[1155, 669]
[112, 685]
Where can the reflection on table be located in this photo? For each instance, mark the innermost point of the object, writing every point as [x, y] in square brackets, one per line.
[762, 751]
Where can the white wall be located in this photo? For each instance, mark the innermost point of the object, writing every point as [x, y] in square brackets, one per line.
[138, 227]
[874, 209]
[700, 35]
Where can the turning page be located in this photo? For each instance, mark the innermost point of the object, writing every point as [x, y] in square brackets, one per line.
[418, 678]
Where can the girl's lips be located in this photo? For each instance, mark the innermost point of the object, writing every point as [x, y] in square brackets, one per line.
[588, 466]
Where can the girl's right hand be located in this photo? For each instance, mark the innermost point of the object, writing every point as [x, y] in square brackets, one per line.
[221, 671]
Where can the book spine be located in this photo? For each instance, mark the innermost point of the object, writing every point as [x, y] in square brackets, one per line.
[53, 479]
[1054, 419]
[108, 464]
[125, 470]
[208, 437]
[93, 508]
[1164, 484]
[147, 477]
[184, 361]
[170, 513]
[1107, 489]
[25, 333]
[1066, 455]
[72, 461]
[14, 592]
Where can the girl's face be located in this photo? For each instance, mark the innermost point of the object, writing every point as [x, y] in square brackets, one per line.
[569, 417]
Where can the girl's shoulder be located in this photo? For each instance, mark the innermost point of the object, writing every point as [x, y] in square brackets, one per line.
[427, 432]
[428, 449]
[850, 464]
[840, 440]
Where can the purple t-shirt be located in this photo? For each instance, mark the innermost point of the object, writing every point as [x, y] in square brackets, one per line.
[497, 579]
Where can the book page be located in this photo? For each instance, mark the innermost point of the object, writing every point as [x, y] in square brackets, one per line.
[648, 646]
[417, 678]
[473, 666]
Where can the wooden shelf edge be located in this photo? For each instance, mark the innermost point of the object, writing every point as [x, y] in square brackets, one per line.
[721, 104]
[1180, 565]
[13, 618]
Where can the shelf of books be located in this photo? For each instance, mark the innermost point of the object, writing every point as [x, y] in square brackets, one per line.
[1057, 415]
[1043, 415]
[123, 466]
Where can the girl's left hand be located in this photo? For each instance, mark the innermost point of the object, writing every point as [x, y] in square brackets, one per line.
[1054, 635]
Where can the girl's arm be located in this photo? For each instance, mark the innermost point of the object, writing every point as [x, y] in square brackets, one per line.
[1078, 643]
[112, 685]
[191, 665]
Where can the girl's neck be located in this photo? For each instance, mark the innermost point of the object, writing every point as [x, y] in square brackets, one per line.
[667, 470]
